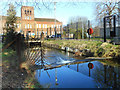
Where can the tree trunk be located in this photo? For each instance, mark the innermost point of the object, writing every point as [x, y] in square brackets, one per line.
[110, 24]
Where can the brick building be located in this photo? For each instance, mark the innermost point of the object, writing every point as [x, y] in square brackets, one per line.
[27, 23]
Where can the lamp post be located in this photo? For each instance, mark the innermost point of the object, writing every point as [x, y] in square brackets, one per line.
[55, 17]
[82, 31]
[68, 30]
[77, 29]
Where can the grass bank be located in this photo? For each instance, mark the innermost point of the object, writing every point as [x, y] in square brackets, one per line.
[98, 48]
[11, 76]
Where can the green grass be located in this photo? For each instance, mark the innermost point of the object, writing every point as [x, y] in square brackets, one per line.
[1, 45]
[9, 57]
[74, 43]
[32, 82]
[94, 46]
[8, 52]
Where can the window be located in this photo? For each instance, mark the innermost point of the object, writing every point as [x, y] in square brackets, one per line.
[27, 17]
[39, 25]
[28, 25]
[25, 11]
[30, 12]
[30, 17]
[46, 32]
[57, 26]
[52, 26]
[43, 25]
[25, 26]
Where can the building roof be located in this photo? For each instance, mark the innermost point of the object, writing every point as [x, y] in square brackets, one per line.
[27, 6]
[36, 19]
[45, 20]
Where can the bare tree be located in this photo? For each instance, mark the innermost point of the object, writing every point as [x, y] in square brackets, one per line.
[119, 13]
[96, 31]
[81, 21]
[106, 9]
[40, 5]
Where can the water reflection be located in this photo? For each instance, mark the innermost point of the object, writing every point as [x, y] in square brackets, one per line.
[81, 75]
[104, 75]
[108, 76]
[65, 78]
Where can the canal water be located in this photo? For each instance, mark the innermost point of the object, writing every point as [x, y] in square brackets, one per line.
[76, 75]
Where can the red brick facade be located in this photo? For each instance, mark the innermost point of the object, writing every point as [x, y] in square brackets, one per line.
[27, 23]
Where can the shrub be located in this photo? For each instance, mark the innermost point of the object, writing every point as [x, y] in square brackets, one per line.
[99, 43]
[100, 52]
[10, 36]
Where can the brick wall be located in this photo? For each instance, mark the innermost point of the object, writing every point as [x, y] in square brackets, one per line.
[27, 23]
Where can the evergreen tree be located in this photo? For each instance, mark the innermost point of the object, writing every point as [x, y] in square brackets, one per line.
[10, 26]
[11, 19]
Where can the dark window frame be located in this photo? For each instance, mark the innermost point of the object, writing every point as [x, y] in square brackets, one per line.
[30, 12]
[25, 11]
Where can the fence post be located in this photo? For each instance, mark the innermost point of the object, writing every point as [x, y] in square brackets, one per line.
[114, 22]
[104, 29]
